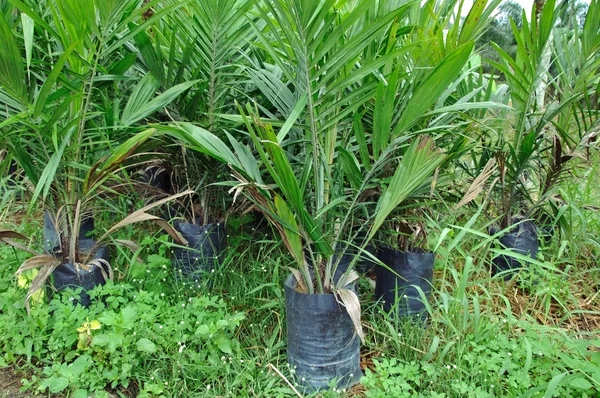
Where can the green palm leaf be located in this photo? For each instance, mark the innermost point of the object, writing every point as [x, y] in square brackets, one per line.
[414, 170]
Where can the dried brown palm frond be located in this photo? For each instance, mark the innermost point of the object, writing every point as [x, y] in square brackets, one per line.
[46, 264]
[103, 266]
[349, 299]
[8, 236]
[478, 184]
[139, 216]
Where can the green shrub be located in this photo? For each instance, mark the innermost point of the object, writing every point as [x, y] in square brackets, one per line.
[518, 359]
[127, 339]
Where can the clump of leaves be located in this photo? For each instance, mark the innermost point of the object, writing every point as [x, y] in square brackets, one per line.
[120, 338]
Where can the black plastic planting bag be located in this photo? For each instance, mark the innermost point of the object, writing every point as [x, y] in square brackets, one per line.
[68, 276]
[206, 244]
[157, 177]
[51, 238]
[322, 343]
[400, 291]
[523, 239]
[363, 265]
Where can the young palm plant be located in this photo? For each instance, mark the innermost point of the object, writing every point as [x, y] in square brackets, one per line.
[269, 181]
[207, 41]
[551, 121]
[63, 124]
[305, 176]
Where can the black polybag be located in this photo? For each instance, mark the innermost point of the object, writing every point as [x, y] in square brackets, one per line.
[67, 275]
[322, 343]
[206, 245]
[413, 268]
[157, 177]
[522, 239]
[85, 277]
[52, 239]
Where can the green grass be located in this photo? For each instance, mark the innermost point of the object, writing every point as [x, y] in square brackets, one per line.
[533, 336]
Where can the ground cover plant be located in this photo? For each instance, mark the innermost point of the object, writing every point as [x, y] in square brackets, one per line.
[317, 137]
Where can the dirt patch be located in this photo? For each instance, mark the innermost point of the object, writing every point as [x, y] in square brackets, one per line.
[10, 383]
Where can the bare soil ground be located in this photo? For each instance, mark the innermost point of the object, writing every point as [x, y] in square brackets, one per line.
[10, 384]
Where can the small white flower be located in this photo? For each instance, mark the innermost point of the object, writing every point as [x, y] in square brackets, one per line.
[183, 305]
[208, 386]
[509, 354]
[454, 366]
[160, 326]
[162, 295]
[304, 379]
[134, 333]
[181, 322]
[448, 367]
[166, 383]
